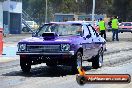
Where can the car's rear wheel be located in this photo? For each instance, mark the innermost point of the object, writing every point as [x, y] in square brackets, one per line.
[25, 64]
[77, 62]
[97, 61]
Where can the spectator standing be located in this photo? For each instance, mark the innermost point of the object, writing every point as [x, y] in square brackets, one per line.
[115, 28]
[102, 28]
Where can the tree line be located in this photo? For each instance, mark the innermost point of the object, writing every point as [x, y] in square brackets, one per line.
[120, 8]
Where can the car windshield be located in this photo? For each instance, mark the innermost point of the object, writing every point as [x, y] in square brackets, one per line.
[126, 24]
[62, 29]
[91, 23]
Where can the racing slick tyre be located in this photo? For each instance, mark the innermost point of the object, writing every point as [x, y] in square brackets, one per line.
[77, 62]
[98, 60]
[25, 64]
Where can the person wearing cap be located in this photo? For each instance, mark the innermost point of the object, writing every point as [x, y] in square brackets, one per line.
[102, 28]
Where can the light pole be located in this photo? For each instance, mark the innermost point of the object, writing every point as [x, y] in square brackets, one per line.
[93, 10]
[46, 13]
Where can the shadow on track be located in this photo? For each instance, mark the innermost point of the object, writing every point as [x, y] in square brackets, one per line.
[45, 71]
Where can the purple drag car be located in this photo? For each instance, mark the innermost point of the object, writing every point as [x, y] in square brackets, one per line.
[62, 43]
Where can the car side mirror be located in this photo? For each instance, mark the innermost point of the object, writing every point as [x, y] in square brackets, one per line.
[88, 36]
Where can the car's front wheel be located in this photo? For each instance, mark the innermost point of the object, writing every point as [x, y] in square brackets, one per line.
[25, 64]
[77, 62]
[97, 61]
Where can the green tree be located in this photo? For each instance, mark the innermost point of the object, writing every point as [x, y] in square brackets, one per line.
[36, 8]
[121, 8]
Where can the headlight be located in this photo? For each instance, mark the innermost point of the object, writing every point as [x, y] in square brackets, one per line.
[21, 47]
[65, 47]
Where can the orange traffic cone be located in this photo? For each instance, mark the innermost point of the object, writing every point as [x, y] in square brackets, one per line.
[1, 41]
[1, 47]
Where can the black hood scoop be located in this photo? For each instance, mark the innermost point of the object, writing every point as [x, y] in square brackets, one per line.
[49, 35]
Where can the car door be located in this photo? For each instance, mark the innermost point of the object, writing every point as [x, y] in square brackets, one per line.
[87, 43]
[96, 41]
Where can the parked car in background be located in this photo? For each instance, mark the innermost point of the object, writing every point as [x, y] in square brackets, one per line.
[62, 43]
[125, 27]
[32, 24]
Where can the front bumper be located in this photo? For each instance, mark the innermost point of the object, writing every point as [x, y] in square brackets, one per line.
[41, 53]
